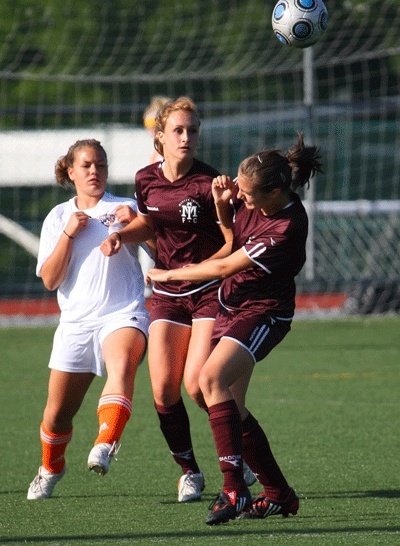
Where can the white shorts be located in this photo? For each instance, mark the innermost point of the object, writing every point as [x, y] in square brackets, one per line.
[79, 351]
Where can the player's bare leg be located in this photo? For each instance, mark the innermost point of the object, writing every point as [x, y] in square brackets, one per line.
[168, 347]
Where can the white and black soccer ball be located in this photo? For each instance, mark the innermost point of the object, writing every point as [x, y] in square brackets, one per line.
[299, 23]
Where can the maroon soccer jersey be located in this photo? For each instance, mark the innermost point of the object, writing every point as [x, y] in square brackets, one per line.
[276, 245]
[184, 219]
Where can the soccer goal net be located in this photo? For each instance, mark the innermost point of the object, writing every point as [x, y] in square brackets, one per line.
[66, 74]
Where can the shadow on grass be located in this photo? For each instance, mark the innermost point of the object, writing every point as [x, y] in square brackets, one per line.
[221, 531]
[65, 496]
[379, 494]
[233, 529]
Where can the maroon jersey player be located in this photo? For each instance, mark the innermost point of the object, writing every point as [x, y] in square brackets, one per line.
[176, 205]
[183, 217]
[276, 245]
[257, 299]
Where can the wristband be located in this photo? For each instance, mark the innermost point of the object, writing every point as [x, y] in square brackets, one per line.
[69, 236]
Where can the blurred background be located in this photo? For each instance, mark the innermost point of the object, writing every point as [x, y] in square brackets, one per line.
[72, 69]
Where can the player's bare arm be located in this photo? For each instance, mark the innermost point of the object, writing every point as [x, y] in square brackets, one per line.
[55, 267]
[137, 231]
[222, 191]
[205, 271]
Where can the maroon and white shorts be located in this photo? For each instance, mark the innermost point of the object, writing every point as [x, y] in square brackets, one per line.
[259, 334]
[201, 305]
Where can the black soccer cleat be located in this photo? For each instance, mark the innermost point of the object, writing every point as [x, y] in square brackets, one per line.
[228, 505]
[264, 507]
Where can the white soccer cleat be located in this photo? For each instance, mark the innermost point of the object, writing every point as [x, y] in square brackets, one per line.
[248, 475]
[43, 484]
[100, 457]
[190, 487]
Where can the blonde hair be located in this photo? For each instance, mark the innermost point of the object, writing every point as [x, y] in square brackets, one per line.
[150, 114]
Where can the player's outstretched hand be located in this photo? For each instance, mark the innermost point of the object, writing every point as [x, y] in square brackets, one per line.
[159, 275]
[111, 245]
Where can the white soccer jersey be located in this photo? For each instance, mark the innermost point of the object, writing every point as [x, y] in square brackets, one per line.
[96, 288]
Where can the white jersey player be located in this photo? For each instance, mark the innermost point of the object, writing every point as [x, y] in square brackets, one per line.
[103, 322]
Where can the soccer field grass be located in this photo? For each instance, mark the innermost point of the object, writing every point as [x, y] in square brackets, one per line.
[328, 398]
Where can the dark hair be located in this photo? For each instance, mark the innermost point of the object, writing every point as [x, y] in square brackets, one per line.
[66, 161]
[273, 169]
[182, 103]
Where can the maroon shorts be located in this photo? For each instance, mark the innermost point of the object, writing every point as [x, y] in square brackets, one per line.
[259, 334]
[203, 304]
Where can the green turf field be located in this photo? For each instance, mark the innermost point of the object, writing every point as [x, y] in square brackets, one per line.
[328, 398]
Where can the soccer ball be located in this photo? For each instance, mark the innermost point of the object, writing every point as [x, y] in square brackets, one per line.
[299, 23]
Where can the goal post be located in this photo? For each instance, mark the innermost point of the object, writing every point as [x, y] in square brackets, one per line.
[19, 235]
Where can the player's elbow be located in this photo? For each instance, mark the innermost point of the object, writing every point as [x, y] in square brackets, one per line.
[50, 281]
[50, 284]
[223, 271]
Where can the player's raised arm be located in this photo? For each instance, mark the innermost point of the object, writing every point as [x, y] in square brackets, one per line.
[223, 188]
[222, 191]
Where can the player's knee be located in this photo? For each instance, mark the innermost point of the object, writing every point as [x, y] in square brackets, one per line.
[192, 388]
[207, 383]
[58, 420]
[166, 396]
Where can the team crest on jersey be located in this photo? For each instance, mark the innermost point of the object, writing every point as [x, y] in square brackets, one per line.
[190, 210]
[107, 219]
